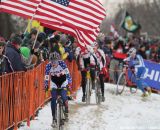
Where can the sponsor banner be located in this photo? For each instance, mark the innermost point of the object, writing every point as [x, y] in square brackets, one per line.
[152, 75]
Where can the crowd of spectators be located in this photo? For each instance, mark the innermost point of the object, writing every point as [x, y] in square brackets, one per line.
[25, 51]
[22, 52]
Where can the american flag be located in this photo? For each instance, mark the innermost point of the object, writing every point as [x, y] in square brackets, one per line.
[80, 18]
[82, 14]
[83, 37]
[23, 8]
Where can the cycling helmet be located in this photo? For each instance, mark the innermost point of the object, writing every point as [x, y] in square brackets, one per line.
[132, 51]
[94, 44]
[54, 56]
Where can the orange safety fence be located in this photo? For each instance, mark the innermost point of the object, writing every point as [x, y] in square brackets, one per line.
[22, 94]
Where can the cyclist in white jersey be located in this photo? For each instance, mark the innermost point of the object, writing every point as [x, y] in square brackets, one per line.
[58, 73]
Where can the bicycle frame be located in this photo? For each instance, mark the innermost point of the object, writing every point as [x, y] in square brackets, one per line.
[128, 79]
[88, 86]
[97, 87]
[59, 111]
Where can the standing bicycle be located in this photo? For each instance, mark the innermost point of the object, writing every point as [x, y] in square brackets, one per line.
[58, 75]
[137, 62]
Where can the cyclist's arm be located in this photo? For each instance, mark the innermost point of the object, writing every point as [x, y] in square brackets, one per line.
[127, 59]
[47, 71]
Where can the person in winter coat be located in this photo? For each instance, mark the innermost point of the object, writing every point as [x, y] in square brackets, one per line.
[2, 57]
[13, 60]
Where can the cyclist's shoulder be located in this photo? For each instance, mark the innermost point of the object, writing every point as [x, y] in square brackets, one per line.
[49, 64]
[139, 56]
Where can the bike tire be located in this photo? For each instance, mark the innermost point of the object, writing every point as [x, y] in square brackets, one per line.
[59, 117]
[133, 89]
[88, 91]
[98, 92]
[121, 83]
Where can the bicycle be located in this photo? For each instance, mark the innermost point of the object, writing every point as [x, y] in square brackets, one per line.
[88, 86]
[97, 88]
[126, 78]
[60, 112]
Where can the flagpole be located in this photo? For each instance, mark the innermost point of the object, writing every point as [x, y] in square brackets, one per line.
[123, 17]
[29, 24]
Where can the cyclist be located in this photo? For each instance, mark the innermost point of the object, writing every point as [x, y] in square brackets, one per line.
[83, 59]
[58, 73]
[137, 62]
[99, 61]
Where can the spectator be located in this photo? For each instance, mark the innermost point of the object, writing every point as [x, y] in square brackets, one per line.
[142, 51]
[2, 57]
[14, 61]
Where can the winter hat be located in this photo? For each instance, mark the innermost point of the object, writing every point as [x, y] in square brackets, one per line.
[16, 39]
[25, 51]
[2, 41]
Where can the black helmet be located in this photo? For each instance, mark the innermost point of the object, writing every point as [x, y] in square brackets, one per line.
[16, 39]
[54, 56]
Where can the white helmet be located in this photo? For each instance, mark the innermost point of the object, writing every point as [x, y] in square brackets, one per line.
[132, 51]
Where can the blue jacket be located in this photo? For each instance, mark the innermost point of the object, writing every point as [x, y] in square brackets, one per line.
[13, 59]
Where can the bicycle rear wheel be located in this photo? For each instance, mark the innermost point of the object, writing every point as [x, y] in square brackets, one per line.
[133, 87]
[98, 92]
[88, 91]
[121, 83]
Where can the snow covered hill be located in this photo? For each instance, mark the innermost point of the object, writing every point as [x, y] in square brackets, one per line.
[125, 112]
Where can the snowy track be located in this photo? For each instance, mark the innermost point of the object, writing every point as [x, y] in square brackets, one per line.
[125, 112]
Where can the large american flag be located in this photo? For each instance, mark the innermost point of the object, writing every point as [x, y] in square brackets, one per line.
[83, 37]
[23, 8]
[82, 14]
[80, 18]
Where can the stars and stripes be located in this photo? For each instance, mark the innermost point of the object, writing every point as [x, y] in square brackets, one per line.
[62, 2]
[80, 18]
[80, 14]
[49, 70]
[23, 8]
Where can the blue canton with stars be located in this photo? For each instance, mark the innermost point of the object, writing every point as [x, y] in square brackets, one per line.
[62, 2]
[63, 65]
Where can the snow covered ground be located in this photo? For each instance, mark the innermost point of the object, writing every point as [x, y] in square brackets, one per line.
[124, 112]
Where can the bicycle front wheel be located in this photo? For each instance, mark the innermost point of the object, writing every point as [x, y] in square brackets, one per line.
[59, 116]
[121, 83]
[98, 92]
[88, 91]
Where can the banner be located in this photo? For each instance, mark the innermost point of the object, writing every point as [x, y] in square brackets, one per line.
[152, 75]
[35, 24]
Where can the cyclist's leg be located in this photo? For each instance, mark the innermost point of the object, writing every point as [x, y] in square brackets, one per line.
[83, 83]
[65, 101]
[144, 84]
[139, 79]
[64, 98]
[102, 85]
[92, 72]
[53, 102]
